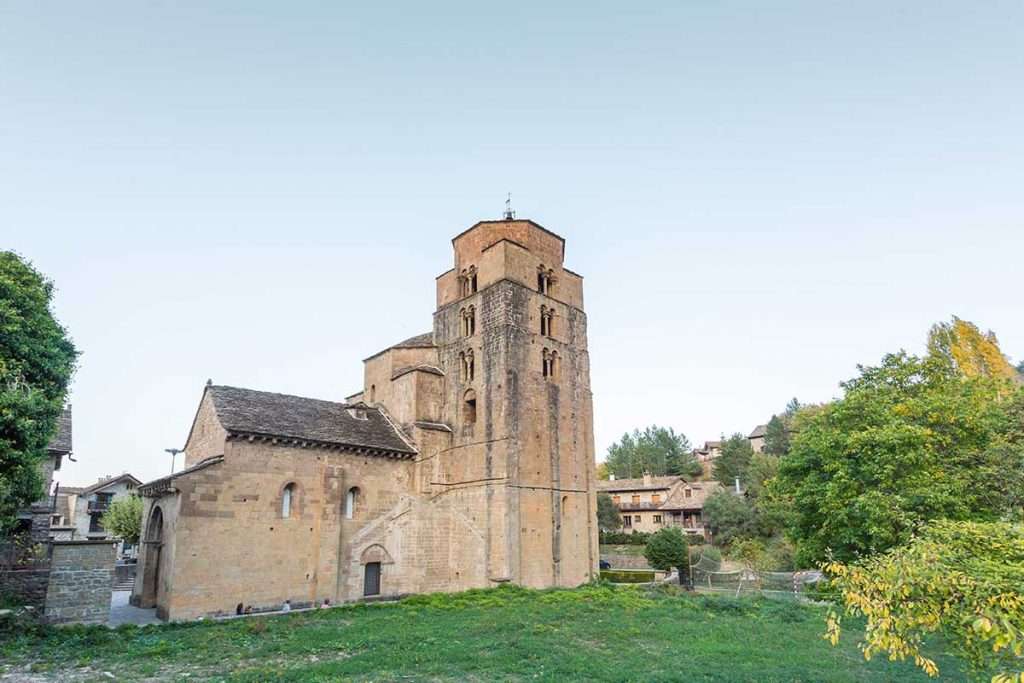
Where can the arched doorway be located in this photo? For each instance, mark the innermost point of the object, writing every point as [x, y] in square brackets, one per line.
[154, 542]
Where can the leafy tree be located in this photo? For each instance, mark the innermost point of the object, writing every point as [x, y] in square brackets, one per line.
[123, 518]
[776, 438]
[728, 516]
[608, 518]
[968, 351]
[37, 360]
[667, 548]
[960, 579]
[658, 450]
[1020, 367]
[734, 460]
[910, 441]
[762, 467]
[602, 471]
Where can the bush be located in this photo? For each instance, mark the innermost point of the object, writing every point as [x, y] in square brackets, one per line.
[620, 538]
[620, 576]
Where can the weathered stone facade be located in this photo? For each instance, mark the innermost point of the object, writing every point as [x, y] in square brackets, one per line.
[81, 579]
[467, 459]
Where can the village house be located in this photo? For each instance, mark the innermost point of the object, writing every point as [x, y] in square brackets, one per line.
[756, 438]
[465, 461]
[79, 510]
[649, 504]
[34, 521]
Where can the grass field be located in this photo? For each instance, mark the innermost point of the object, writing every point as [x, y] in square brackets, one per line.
[590, 633]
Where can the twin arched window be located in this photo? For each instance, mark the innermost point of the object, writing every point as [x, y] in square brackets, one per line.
[550, 362]
[467, 321]
[466, 371]
[547, 316]
[545, 279]
[467, 281]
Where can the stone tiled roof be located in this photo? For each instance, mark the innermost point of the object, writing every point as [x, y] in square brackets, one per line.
[107, 481]
[420, 341]
[157, 486]
[61, 442]
[759, 430]
[699, 492]
[261, 413]
[637, 484]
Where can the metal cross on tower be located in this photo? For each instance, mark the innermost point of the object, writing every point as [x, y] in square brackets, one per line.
[509, 213]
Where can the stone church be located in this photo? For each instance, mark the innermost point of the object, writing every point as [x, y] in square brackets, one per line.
[466, 461]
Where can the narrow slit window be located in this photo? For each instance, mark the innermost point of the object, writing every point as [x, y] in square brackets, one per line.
[350, 502]
[286, 500]
[469, 407]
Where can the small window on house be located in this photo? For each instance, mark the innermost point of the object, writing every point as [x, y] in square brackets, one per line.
[472, 280]
[373, 393]
[470, 366]
[55, 520]
[657, 519]
[687, 492]
[627, 522]
[469, 407]
[655, 497]
[636, 498]
[540, 281]
[286, 500]
[637, 519]
[350, 502]
[616, 499]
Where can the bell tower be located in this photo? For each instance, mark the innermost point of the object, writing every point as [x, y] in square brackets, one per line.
[511, 335]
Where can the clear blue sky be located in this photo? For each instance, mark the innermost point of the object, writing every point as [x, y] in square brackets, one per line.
[760, 195]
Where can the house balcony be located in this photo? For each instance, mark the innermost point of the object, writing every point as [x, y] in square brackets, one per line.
[634, 507]
[96, 507]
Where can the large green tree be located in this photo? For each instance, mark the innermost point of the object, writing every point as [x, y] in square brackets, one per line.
[910, 440]
[123, 518]
[608, 518]
[729, 516]
[734, 460]
[37, 360]
[658, 450]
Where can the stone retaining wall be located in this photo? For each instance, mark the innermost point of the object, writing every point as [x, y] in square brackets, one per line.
[81, 581]
[29, 584]
[626, 561]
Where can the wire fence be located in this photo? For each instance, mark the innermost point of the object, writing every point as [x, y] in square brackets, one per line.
[706, 575]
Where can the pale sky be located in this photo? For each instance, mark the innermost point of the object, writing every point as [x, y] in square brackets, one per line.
[759, 195]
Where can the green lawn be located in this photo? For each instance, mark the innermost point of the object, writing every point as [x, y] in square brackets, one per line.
[591, 633]
[616, 549]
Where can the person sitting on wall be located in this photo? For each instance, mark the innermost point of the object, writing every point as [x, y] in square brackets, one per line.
[287, 606]
[327, 603]
[238, 608]
[248, 610]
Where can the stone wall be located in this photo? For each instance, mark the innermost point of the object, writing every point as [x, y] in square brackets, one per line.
[29, 584]
[81, 580]
[626, 561]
